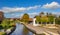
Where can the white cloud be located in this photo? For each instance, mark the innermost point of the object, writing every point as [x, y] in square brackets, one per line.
[30, 14]
[33, 14]
[34, 7]
[52, 5]
[15, 15]
[57, 13]
[18, 9]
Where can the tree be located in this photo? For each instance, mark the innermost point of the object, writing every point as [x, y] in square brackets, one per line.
[5, 24]
[44, 19]
[42, 13]
[59, 16]
[25, 18]
[47, 14]
[51, 18]
[57, 21]
[38, 19]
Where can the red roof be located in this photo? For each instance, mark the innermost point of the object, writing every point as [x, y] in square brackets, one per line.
[30, 19]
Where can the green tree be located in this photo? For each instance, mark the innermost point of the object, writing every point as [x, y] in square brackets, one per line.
[59, 16]
[51, 18]
[5, 23]
[25, 18]
[58, 21]
[38, 19]
[44, 19]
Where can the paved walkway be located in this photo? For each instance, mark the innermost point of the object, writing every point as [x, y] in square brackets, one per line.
[40, 30]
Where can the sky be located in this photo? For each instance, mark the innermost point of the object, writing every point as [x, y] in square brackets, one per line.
[16, 8]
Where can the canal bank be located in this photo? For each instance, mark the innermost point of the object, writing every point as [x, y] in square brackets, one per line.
[42, 30]
[35, 30]
[21, 30]
[12, 30]
[28, 29]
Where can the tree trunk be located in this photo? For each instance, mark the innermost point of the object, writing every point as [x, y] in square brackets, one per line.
[41, 22]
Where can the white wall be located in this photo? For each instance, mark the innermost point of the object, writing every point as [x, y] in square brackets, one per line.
[34, 23]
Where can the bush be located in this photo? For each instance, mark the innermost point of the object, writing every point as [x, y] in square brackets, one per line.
[58, 21]
[1, 27]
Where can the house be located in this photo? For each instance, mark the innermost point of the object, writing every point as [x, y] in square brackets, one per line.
[30, 20]
[13, 19]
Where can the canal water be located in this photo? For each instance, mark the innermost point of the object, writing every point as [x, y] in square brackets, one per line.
[21, 30]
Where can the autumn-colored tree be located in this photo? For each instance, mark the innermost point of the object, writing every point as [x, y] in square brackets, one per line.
[25, 18]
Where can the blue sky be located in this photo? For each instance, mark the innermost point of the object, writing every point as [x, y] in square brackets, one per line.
[16, 8]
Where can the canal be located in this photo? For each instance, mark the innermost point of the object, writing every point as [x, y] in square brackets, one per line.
[21, 30]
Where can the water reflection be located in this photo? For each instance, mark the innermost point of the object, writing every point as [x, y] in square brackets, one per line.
[25, 31]
[21, 30]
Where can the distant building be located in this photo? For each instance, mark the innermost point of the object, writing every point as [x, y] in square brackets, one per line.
[1, 16]
[30, 20]
[13, 19]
